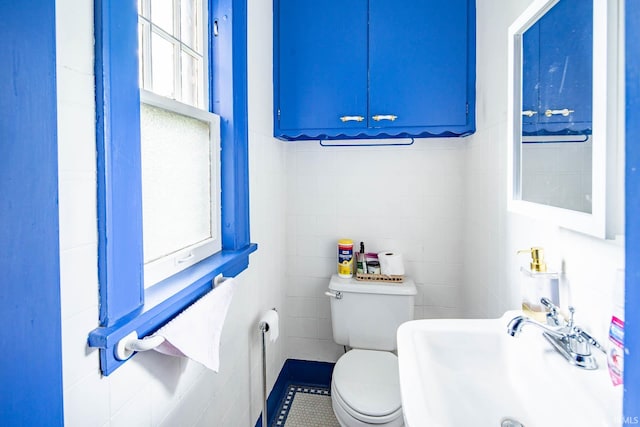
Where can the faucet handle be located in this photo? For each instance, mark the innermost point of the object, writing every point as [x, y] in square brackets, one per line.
[581, 342]
[572, 311]
[552, 315]
[591, 340]
[547, 303]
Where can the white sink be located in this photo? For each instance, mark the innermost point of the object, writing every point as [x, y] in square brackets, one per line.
[470, 372]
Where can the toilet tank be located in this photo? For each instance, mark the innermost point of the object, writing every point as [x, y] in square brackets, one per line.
[368, 314]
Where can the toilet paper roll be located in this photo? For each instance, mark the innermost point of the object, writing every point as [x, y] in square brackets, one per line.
[272, 319]
[391, 264]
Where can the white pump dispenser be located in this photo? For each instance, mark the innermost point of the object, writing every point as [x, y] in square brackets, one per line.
[537, 283]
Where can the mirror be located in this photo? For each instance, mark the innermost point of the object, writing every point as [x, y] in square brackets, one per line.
[556, 101]
[557, 123]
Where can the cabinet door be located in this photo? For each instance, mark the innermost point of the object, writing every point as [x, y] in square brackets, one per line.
[530, 79]
[418, 63]
[322, 75]
[566, 43]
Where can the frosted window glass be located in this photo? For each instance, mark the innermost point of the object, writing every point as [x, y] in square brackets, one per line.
[176, 182]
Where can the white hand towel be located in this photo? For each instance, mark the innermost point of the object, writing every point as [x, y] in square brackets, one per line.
[195, 333]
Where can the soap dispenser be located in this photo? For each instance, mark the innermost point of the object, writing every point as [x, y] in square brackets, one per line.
[537, 283]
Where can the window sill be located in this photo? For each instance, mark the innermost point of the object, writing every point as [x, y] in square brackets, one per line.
[165, 300]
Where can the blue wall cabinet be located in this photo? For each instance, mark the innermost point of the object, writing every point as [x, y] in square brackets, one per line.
[365, 69]
[557, 71]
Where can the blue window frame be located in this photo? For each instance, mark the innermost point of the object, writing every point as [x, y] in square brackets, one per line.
[125, 306]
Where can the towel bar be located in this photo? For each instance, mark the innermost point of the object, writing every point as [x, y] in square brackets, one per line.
[131, 343]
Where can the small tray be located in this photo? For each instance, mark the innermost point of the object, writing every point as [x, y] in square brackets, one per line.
[379, 278]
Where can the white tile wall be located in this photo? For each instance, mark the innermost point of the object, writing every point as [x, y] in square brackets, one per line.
[78, 273]
[405, 199]
[558, 174]
[86, 403]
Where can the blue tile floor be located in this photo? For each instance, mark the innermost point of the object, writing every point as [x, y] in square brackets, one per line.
[304, 407]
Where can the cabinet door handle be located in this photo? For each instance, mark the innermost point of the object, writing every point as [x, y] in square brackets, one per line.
[379, 117]
[351, 119]
[529, 113]
[564, 112]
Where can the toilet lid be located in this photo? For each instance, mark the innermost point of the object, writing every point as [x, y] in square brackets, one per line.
[368, 382]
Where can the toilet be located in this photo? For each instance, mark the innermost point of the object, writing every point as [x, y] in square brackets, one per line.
[365, 316]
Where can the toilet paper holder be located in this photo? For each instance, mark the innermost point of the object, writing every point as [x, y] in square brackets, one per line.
[264, 326]
[132, 343]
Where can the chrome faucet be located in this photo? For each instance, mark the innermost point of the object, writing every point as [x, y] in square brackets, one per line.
[571, 341]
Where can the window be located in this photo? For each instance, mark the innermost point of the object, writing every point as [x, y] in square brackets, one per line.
[180, 186]
[171, 41]
[179, 139]
[126, 306]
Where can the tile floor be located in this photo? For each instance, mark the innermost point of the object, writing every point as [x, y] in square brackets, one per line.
[306, 406]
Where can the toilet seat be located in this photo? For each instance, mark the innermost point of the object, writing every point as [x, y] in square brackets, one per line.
[347, 416]
[366, 386]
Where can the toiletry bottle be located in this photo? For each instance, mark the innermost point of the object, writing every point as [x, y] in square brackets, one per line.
[373, 265]
[537, 283]
[361, 262]
[615, 352]
[345, 258]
